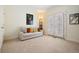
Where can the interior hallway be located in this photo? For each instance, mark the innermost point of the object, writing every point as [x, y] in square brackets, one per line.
[40, 45]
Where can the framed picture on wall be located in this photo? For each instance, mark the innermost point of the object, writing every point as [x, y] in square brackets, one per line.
[74, 18]
[29, 19]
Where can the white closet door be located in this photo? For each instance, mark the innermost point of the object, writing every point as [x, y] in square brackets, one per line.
[53, 26]
[61, 25]
[49, 25]
[56, 25]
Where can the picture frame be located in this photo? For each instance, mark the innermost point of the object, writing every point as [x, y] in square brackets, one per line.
[74, 18]
[29, 19]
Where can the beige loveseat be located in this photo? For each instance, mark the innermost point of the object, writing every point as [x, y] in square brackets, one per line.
[25, 36]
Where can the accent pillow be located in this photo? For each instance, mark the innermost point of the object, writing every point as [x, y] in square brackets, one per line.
[23, 29]
[29, 30]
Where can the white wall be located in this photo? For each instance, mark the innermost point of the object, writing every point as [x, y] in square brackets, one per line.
[71, 31]
[15, 17]
[1, 25]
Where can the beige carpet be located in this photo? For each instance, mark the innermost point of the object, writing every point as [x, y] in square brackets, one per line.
[40, 45]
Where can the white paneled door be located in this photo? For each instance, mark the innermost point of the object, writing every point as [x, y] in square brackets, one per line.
[56, 25]
[51, 25]
[1, 26]
[61, 24]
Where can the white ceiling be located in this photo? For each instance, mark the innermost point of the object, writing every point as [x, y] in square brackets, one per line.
[40, 6]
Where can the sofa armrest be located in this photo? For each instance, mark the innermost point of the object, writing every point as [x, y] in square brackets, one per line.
[21, 35]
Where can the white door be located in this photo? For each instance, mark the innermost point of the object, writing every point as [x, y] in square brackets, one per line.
[61, 25]
[52, 25]
[56, 25]
[1, 26]
[49, 25]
